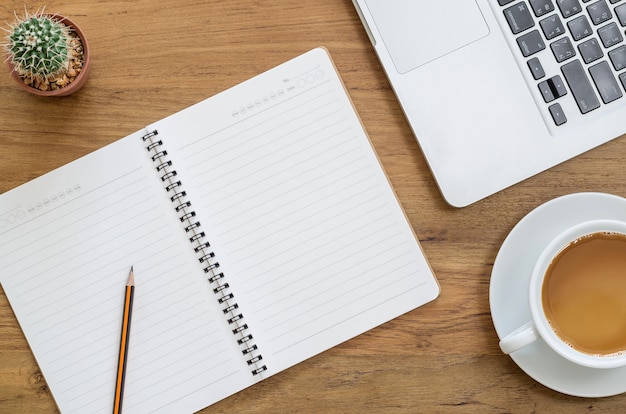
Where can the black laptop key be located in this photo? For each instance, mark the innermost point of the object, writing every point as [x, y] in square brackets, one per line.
[590, 50]
[504, 2]
[620, 12]
[541, 7]
[558, 116]
[618, 57]
[552, 26]
[531, 43]
[605, 82]
[610, 35]
[519, 18]
[563, 49]
[579, 27]
[622, 78]
[569, 7]
[546, 92]
[557, 85]
[536, 68]
[581, 88]
[599, 12]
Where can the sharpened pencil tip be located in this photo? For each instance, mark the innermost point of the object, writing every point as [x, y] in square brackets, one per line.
[131, 277]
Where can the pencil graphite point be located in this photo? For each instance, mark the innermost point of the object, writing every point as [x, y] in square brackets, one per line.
[131, 277]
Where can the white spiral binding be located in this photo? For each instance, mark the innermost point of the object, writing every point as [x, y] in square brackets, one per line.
[206, 257]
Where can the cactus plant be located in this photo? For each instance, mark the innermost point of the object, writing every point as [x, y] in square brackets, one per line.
[39, 46]
[44, 51]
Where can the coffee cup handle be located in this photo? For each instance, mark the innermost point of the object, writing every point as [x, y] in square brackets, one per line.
[519, 338]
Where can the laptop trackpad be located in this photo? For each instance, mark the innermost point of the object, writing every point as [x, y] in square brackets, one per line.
[419, 31]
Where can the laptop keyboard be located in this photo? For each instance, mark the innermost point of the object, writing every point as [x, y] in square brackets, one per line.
[585, 41]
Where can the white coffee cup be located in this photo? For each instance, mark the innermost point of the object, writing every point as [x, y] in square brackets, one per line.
[539, 327]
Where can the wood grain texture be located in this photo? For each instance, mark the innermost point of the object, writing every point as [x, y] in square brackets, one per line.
[152, 58]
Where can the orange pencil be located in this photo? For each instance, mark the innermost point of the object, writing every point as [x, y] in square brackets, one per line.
[121, 365]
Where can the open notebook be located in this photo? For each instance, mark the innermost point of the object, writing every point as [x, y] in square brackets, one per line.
[262, 231]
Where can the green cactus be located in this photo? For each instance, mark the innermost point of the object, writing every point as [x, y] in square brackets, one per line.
[38, 46]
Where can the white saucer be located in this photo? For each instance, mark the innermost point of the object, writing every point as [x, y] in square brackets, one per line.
[508, 292]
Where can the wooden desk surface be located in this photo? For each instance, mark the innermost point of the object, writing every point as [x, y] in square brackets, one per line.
[154, 57]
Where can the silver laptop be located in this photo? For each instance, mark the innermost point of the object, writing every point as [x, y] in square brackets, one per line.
[498, 90]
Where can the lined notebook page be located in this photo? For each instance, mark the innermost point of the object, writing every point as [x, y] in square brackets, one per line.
[67, 241]
[299, 213]
[298, 210]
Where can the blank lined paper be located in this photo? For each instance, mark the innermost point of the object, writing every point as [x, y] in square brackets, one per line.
[300, 214]
[63, 268]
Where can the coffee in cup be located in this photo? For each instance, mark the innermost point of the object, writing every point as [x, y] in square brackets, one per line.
[577, 296]
[584, 293]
